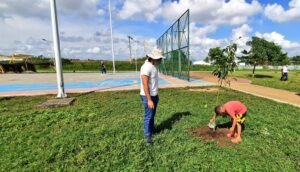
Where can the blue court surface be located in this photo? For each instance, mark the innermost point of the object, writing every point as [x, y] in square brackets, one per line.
[104, 83]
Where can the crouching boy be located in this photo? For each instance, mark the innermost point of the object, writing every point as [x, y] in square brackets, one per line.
[237, 111]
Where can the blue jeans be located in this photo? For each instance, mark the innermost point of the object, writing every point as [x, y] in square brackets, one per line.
[149, 115]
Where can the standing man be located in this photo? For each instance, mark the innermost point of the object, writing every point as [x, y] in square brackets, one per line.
[149, 90]
[284, 73]
[103, 68]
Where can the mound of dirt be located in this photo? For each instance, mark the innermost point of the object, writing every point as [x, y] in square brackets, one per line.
[207, 134]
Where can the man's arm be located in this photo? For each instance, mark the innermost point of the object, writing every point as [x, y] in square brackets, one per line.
[145, 81]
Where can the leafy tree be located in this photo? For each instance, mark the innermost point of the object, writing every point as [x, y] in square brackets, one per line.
[263, 52]
[223, 61]
[296, 60]
[213, 54]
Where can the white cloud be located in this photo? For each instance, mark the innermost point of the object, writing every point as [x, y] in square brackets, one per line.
[24, 23]
[101, 12]
[241, 32]
[277, 13]
[202, 31]
[201, 42]
[234, 12]
[82, 8]
[278, 39]
[293, 48]
[41, 8]
[93, 50]
[240, 36]
[21, 8]
[140, 9]
[74, 51]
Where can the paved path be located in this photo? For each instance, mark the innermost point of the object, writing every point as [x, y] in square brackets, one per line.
[245, 86]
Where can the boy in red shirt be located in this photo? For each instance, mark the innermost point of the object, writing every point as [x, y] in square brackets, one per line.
[237, 111]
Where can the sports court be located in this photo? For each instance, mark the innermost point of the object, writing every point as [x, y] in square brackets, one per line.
[45, 83]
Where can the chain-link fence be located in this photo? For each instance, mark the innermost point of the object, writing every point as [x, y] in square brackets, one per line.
[175, 46]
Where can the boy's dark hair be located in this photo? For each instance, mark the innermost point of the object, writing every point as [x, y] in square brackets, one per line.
[218, 110]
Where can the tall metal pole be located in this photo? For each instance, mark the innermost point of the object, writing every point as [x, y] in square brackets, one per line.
[188, 25]
[130, 54]
[60, 80]
[111, 37]
[135, 56]
[52, 49]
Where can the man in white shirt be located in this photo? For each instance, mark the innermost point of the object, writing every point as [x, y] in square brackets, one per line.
[284, 73]
[149, 90]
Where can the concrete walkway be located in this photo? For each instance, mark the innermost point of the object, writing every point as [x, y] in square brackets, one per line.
[245, 86]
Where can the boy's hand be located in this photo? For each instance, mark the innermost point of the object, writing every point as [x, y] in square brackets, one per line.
[231, 132]
[213, 119]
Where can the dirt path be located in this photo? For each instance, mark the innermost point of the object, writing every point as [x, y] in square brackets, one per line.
[245, 86]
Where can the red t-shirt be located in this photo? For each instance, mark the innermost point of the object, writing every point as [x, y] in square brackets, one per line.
[234, 108]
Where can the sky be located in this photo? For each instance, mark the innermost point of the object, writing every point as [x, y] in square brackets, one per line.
[25, 25]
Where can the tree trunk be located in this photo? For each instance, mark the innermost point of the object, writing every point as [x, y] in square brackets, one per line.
[253, 71]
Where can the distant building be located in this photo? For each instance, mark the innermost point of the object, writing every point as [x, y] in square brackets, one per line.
[200, 62]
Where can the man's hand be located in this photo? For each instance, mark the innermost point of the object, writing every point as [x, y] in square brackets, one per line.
[150, 104]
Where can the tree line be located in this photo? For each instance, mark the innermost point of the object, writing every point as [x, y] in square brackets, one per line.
[261, 52]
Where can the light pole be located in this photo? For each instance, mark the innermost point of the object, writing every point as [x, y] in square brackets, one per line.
[145, 46]
[135, 48]
[55, 33]
[130, 56]
[111, 37]
[52, 48]
[135, 56]
[233, 40]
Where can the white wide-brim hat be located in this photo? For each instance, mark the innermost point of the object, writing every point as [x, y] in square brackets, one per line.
[156, 54]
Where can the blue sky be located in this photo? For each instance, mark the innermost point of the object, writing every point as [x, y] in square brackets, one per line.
[84, 25]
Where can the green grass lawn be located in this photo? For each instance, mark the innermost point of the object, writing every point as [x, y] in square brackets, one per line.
[272, 79]
[103, 132]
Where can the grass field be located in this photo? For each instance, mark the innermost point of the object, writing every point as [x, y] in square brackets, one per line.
[103, 132]
[271, 79]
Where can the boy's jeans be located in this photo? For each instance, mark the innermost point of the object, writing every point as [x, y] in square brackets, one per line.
[149, 115]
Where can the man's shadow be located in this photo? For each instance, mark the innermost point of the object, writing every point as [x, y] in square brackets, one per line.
[168, 123]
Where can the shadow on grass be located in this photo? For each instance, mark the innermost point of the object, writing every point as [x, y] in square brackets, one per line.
[83, 94]
[98, 89]
[5, 98]
[225, 125]
[260, 76]
[228, 125]
[168, 123]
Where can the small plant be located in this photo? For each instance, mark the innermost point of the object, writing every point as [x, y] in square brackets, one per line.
[223, 61]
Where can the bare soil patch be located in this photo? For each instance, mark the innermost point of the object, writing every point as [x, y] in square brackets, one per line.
[208, 135]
